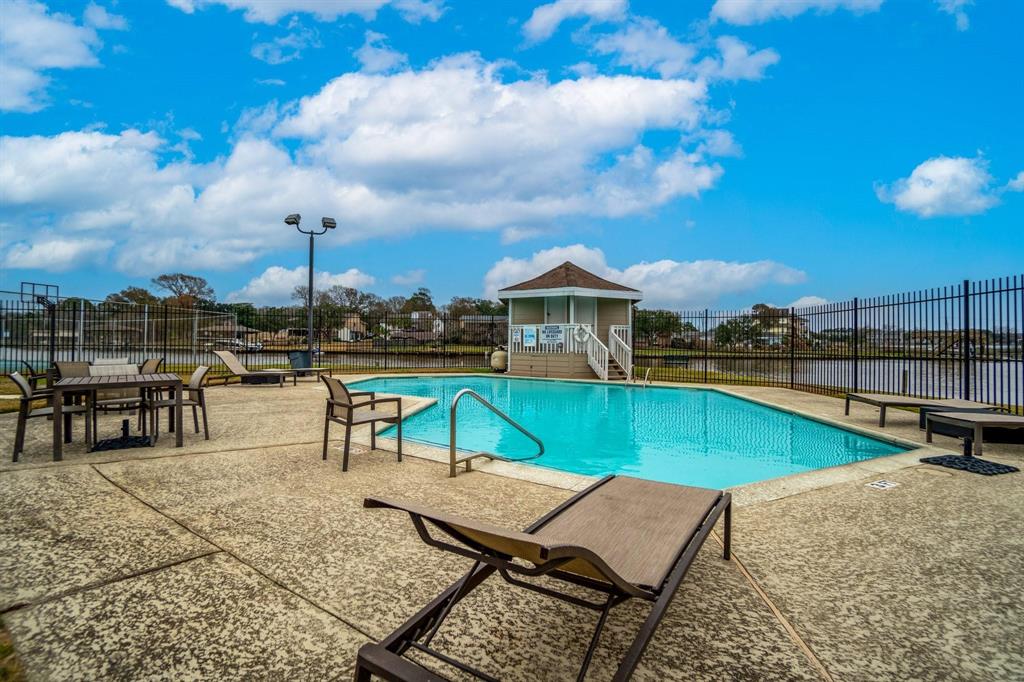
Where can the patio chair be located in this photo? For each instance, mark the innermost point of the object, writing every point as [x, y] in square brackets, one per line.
[247, 376]
[151, 366]
[195, 398]
[116, 400]
[342, 409]
[26, 412]
[621, 538]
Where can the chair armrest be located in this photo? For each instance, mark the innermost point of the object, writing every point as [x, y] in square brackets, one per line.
[339, 403]
[383, 400]
[356, 394]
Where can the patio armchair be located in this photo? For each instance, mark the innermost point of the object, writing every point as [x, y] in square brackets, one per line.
[342, 408]
[125, 400]
[195, 397]
[26, 412]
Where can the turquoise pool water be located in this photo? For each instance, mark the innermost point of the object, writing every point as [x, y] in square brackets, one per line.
[678, 435]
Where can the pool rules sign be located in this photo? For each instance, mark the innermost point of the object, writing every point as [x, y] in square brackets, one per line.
[529, 337]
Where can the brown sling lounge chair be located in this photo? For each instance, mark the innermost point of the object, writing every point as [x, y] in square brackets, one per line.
[622, 537]
[247, 376]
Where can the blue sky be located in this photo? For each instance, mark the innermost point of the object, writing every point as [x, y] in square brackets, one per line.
[709, 153]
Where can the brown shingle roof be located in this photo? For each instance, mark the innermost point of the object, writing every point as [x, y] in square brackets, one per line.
[568, 275]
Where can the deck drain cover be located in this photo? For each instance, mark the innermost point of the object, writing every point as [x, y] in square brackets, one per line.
[882, 485]
[971, 464]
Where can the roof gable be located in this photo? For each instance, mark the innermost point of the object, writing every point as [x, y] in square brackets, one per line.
[568, 276]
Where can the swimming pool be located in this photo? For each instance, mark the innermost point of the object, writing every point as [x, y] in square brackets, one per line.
[677, 435]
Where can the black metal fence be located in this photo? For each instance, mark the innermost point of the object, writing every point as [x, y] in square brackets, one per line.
[82, 329]
[960, 341]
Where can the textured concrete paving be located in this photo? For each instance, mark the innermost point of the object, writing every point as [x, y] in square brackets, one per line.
[235, 559]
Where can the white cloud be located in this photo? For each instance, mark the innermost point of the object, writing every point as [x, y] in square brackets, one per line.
[747, 12]
[376, 56]
[277, 82]
[32, 41]
[276, 284]
[453, 146]
[514, 234]
[270, 11]
[286, 48]
[645, 45]
[98, 17]
[808, 302]
[546, 19]
[737, 62]
[409, 278]
[55, 254]
[955, 8]
[663, 283]
[943, 186]
[1017, 183]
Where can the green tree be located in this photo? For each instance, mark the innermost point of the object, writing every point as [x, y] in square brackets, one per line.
[735, 331]
[420, 300]
[136, 295]
[186, 291]
[654, 324]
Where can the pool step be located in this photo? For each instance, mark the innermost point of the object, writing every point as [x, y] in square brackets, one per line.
[615, 371]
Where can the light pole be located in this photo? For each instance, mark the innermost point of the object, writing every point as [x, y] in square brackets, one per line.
[326, 224]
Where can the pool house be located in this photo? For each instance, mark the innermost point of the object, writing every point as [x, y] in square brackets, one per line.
[571, 324]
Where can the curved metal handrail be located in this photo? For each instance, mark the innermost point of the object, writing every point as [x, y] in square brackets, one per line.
[453, 459]
[647, 375]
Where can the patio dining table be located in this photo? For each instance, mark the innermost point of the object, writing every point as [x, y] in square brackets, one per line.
[92, 384]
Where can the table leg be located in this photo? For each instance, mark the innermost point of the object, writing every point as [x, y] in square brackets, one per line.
[177, 415]
[928, 430]
[58, 424]
[67, 419]
[978, 433]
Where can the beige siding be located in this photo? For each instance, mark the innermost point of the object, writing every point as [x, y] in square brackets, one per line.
[610, 311]
[560, 365]
[527, 310]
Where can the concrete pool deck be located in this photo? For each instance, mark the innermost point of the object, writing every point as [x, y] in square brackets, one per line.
[247, 556]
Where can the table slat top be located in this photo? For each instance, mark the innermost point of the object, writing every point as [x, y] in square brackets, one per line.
[120, 381]
[977, 418]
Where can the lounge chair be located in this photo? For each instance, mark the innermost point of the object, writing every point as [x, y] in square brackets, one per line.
[246, 376]
[298, 362]
[26, 412]
[884, 400]
[342, 408]
[622, 537]
[994, 427]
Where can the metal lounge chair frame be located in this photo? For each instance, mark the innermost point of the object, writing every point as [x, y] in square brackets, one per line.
[559, 561]
[248, 376]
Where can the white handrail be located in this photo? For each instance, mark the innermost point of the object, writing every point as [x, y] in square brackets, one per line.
[621, 350]
[597, 356]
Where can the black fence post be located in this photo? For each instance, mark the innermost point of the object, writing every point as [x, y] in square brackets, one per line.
[792, 347]
[965, 344]
[165, 330]
[706, 343]
[856, 344]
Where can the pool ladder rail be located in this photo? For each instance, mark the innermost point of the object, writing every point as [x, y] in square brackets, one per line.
[453, 457]
[647, 376]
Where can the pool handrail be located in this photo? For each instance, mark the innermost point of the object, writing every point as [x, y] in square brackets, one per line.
[468, 459]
